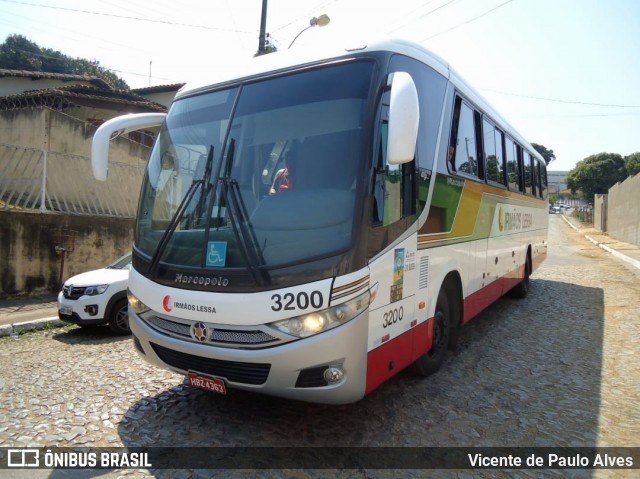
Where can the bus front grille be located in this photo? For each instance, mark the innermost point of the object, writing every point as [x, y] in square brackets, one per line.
[219, 336]
[234, 371]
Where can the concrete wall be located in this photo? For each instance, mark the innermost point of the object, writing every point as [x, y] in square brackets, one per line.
[29, 263]
[42, 128]
[600, 212]
[623, 222]
[28, 134]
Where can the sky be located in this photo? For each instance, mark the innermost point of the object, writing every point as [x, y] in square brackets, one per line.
[564, 73]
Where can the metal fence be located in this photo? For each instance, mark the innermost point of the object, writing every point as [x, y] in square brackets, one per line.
[32, 179]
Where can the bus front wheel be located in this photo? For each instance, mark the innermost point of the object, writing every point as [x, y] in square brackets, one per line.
[431, 361]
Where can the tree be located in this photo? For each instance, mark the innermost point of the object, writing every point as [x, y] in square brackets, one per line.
[547, 154]
[632, 163]
[19, 53]
[596, 174]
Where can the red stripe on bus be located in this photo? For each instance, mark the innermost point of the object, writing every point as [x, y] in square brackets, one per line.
[393, 356]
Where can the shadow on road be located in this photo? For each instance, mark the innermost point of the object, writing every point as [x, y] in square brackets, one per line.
[88, 335]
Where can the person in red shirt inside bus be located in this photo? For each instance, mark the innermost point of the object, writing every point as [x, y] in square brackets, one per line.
[284, 178]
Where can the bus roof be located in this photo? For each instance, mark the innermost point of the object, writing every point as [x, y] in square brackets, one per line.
[286, 59]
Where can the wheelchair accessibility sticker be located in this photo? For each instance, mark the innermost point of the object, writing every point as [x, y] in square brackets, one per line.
[216, 253]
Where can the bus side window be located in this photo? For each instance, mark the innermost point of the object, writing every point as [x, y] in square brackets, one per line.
[544, 180]
[393, 186]
[541, 179]
[492, 140]
[529, 182]
[464, 144]
[513, 170]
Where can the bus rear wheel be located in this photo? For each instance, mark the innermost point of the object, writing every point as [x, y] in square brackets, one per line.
[431, 361]
[521, 290]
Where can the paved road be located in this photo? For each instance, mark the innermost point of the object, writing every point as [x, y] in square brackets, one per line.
[559, 368]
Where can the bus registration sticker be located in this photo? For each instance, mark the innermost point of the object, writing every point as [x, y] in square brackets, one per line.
[207, 383]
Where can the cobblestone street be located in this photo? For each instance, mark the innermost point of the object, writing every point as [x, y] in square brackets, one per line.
[560, 368]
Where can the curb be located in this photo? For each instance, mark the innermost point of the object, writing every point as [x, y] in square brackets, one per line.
[617, 254]
[17, 328]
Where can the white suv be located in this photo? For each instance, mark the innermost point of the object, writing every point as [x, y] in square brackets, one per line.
[98, 297]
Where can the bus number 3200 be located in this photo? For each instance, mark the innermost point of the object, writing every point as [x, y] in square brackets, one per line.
[302, 300]
[392, 317]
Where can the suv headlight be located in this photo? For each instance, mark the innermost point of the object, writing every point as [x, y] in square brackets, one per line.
[313, 323]
[95, 290]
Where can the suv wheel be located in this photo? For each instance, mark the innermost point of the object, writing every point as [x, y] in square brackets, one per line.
[119, 318]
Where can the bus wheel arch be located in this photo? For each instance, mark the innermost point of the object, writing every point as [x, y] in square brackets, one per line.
[453, 286]
[447, 322]
[521, 290]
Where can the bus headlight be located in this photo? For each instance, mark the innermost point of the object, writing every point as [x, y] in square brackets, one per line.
[135, 304]
[320, 321]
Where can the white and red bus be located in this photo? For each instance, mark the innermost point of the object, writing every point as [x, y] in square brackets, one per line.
[307, 228]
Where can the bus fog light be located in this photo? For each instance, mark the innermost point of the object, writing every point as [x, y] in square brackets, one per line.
[333, 375]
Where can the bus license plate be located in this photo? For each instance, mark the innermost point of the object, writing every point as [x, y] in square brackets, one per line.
[209, 384]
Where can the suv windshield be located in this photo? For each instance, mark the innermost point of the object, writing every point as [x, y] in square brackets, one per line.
[121, 263]
[259, 175]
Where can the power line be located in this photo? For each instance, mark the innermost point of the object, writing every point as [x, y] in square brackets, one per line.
[305, 16]
[467, 22]
[594, 115]
[165, 22]
[421, 16]
[557, 100]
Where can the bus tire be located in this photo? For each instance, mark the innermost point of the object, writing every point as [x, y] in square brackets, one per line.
[431, 361]
[119, 318]
[521, 290]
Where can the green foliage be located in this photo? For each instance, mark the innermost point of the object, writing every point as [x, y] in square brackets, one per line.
[596, 174]
[19, 53]
[547, 154]
[632, 163]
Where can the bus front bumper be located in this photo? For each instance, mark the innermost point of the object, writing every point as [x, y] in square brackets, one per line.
[293, 370]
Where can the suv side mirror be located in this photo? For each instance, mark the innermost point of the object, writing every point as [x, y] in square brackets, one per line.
[404, 116]
[112, 129]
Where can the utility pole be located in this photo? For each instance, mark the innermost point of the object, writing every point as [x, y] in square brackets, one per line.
[262, 40]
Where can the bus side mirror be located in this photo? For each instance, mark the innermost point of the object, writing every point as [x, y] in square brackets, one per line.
[112, 129]
[404, 116]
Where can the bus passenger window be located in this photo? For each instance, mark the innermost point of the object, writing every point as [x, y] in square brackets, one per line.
[545, 181]
[513, 170]
[492, 140]
[466, 156]
[541, 181]
[529, 183]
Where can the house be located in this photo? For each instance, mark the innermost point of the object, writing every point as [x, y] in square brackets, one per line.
[162, 94]
[47, 121]
[53, 116]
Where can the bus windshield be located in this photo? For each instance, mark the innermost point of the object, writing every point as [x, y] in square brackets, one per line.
[257, 175]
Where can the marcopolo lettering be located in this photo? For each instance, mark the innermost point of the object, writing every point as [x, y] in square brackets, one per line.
[201, 280]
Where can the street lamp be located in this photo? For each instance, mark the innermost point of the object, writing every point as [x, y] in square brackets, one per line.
[321, 21]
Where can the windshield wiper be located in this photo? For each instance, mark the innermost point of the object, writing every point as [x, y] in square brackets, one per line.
[177, 216]
[242, 230]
